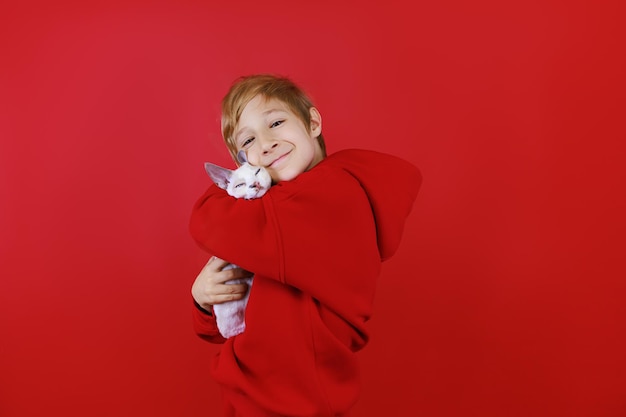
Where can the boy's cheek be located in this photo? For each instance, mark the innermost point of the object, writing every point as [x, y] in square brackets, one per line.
[253, 159]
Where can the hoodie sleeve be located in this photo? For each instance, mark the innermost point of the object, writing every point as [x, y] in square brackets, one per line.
[317, 233]
[205, 325]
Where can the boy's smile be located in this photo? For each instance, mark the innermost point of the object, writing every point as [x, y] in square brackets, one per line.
[277, 163]
[274, 137]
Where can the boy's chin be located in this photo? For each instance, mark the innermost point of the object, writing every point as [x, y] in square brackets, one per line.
[284, 176]
[289, 171]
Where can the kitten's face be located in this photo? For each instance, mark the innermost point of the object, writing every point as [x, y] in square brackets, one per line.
[248, 182]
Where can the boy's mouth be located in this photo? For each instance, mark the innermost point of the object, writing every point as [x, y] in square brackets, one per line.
[278, 160]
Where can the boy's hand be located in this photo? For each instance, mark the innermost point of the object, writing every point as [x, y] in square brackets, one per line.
[209, 288]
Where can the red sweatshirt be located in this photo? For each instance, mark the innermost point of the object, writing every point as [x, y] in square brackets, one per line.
[315, 245]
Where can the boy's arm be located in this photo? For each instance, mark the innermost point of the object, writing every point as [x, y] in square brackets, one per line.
[316, 233]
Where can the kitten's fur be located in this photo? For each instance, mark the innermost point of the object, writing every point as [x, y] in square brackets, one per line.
[246, 182]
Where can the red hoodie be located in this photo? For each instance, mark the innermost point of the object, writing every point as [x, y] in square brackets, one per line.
[315, 245]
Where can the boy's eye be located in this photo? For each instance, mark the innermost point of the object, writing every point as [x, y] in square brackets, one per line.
[247, 142]
[277, 123]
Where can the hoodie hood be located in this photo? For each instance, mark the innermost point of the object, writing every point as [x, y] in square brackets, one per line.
[391, 185]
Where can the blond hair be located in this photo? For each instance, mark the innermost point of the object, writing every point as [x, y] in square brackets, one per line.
[269, 86]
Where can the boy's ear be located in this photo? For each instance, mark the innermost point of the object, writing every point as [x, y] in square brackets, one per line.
[219, 175]
[316, 122]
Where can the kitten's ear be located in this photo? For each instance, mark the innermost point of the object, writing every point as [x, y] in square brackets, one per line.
[241, 157]
[219, 175]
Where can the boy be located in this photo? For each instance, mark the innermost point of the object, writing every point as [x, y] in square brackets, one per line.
[314, 242]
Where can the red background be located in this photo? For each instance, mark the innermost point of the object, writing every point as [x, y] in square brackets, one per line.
[507, 297]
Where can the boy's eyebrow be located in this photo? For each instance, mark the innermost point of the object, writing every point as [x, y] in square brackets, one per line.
[239, 133]
[270, 111]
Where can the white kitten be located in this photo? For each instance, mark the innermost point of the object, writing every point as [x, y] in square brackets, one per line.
[246, 182]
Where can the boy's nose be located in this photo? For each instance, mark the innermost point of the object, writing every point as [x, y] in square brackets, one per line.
[268, 148]
[268, 143]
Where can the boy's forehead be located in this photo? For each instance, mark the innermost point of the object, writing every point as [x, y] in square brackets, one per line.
[260, 107]
[263, 105]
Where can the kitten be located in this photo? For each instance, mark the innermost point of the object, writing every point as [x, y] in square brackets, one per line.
[246, 182]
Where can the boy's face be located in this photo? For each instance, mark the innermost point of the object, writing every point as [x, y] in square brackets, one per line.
[274, 137]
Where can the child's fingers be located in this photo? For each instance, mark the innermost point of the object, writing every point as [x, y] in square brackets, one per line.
[229, 292]
[224, 298]
[235, 273]
[232, 289]
[212, 299]
[216, 264]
